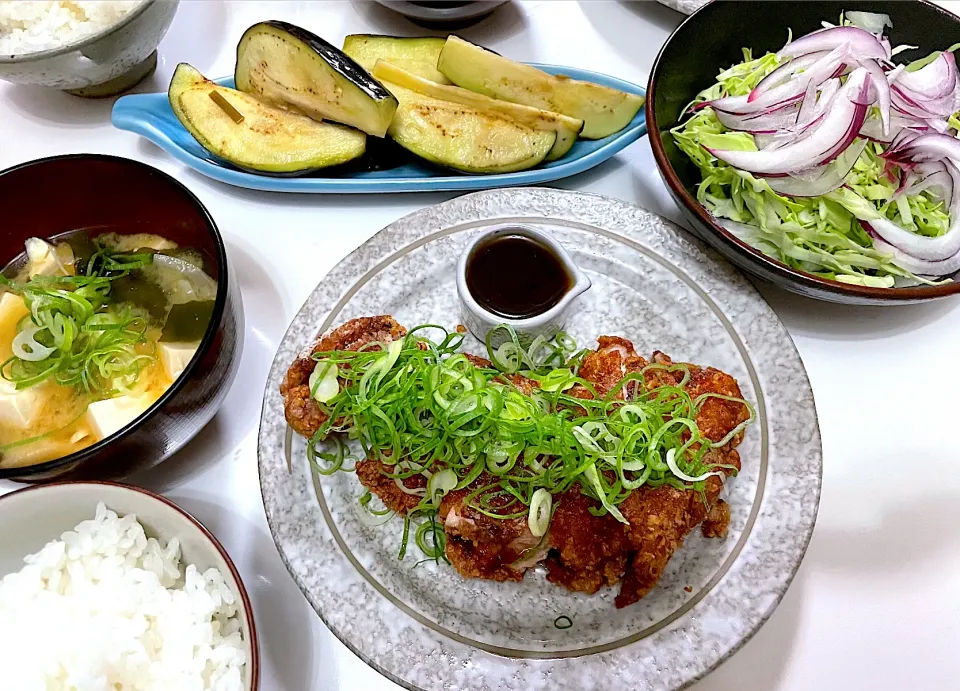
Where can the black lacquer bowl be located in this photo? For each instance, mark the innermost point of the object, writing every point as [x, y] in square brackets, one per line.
[712, 39]
[107, 194]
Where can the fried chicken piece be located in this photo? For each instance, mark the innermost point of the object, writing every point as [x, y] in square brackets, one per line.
[480, 546]
[660, 518]
[525, 385]
[302, 412]
[372, 475]
[480, 560]
[589, 551]
[717, 521]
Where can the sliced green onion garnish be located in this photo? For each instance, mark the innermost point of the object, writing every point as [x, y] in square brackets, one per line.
[422, 408]
[539, 517]
[563, 622]
[74, 334]
[323, 382]
[439, 484]
[675, 469]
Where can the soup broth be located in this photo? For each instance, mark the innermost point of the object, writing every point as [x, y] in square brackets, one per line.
[93, 331]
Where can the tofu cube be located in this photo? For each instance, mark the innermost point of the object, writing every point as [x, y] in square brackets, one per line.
[12, 310]
[110, 416]
[18, 409]
[176, 356]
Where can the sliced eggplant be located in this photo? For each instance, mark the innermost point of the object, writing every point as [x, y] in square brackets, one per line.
[267, 139]
[567, 128]
[416, 55]
[464, 138]
[293, 68]
[602, 109]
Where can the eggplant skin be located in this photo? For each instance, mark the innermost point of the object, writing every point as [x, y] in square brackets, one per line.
[293, 68]
[339, 60]
[269, 140]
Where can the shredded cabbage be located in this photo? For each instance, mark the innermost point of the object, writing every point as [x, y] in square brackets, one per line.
[819, 235]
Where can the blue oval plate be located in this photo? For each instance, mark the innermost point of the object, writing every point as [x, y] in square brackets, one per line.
[150, 115]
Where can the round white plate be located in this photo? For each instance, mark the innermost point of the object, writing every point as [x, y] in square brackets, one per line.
[425, 627]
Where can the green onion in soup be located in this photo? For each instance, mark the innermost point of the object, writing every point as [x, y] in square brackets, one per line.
[92, 332]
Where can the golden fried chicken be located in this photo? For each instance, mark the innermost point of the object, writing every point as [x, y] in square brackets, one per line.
[659, 518]
[581, 551]
[302, 412]
[589, 551]
[373, 475]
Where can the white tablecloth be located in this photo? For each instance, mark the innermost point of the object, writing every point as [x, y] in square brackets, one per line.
[876, 603]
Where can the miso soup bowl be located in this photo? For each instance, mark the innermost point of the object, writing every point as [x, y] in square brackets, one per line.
[107, 194]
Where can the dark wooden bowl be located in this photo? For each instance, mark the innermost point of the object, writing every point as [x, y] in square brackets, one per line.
[710, 40]
[104, 194]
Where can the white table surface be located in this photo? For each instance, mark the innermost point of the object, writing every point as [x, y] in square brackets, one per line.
[876, 603]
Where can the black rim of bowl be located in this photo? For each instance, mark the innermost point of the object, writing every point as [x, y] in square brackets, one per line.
[205, 343]
[771, 265]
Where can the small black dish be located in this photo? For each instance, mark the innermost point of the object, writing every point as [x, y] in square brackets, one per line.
[712, 39]
[51, 196]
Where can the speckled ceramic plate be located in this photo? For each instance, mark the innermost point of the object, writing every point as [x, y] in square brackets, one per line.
[424, 626]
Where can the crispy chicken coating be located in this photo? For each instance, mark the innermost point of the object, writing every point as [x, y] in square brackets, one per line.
[581, 551]
[372, 475]
[302, 412]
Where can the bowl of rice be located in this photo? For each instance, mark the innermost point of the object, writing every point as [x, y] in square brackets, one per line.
[111, 586]
[87, 47]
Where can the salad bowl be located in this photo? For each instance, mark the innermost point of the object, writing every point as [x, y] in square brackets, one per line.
[713, 39]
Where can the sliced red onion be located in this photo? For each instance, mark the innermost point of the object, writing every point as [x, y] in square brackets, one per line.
[885, 43]
[782, 96]
[861, 43]
[920, 267]
[941, 183]
[784, 72]
[918, 246]
[766, 123]
[903, 139]
[873, 129]
[874, 22]
[770, 142]
[828, 91]
[931, 146]
[835, 133]
[825, 179]
[824, 65]
[933, 81]
[922, 107]
[881, 89]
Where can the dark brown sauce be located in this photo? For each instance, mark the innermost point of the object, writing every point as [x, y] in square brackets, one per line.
[516, 276]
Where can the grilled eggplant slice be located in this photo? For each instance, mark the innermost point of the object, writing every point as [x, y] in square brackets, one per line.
[567, 128]
[267, 139]
[465, 138]
[416, 55]
[295, 69]
[602, 109]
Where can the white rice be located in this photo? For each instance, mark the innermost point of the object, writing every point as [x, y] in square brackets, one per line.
[105, 609]
[27, 26]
